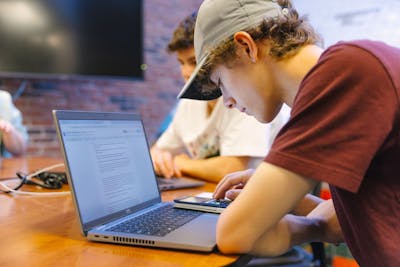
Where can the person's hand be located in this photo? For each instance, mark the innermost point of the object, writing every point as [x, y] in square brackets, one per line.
[231, 185]
[5, 126]
[324, 214]
[180, 162]
[163, 162]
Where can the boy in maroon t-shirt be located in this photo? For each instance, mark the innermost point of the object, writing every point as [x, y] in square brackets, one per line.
[344, 130]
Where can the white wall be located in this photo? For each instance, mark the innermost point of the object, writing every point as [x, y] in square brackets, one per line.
[339, 20]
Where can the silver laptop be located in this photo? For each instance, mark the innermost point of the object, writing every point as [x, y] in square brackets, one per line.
[177, 183]
[114, 188]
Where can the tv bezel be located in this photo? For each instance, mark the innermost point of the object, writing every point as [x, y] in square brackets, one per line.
[83, 77]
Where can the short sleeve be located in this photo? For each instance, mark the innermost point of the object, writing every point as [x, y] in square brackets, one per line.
[341, 116]
[170, 139]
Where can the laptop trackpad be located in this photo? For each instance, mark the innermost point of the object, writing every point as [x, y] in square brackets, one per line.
[201, 230]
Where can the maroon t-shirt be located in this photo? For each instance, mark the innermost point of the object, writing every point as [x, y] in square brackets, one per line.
[344, 130]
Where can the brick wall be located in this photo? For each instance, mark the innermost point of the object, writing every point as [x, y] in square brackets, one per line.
[152, 98]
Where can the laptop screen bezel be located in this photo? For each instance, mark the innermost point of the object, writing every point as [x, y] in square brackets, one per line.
[59, 115]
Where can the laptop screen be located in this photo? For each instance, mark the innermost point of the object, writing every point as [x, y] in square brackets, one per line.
[110, 165]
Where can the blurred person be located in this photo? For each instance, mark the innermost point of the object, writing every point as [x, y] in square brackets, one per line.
[13, 134]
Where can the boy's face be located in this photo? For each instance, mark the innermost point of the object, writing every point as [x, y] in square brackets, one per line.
[249, 87]
[187, 62]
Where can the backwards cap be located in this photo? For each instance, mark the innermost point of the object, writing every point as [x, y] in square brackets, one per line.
[216, 21]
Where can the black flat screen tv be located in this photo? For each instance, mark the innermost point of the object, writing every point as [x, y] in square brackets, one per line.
[71, 39]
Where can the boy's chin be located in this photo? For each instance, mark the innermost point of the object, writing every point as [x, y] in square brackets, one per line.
[264, 119]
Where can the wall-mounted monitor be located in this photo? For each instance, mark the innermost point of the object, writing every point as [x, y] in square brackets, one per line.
[71, 38]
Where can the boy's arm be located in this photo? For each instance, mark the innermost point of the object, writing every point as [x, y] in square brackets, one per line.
[13, 140]
[211, 169]
[307, 204]
[256, 221]
[321, 224]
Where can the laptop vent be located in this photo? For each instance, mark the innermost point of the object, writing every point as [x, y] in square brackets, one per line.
[134, 241]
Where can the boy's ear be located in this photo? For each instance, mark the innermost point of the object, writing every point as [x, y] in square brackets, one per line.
[246, 42]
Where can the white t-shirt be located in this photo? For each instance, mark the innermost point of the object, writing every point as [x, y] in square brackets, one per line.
[226, 132]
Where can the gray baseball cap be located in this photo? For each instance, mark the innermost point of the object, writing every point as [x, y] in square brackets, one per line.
[216, 21]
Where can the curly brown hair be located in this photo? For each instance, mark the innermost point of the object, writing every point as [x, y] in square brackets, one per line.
[183, 35]
[285, 34]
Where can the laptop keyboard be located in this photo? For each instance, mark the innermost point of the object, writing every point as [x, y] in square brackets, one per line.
[158, 222]
[163, 181]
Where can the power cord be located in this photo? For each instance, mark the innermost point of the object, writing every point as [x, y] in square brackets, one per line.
[27, 179]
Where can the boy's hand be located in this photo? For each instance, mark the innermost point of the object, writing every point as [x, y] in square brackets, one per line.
[231, 185]
[163, 162]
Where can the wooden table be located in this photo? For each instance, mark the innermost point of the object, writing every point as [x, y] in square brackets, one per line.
[43, 231]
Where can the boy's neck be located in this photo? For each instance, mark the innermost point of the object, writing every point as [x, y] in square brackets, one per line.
[291, 71]
[210, 106]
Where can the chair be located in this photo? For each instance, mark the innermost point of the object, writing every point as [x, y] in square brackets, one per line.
[296, 257]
